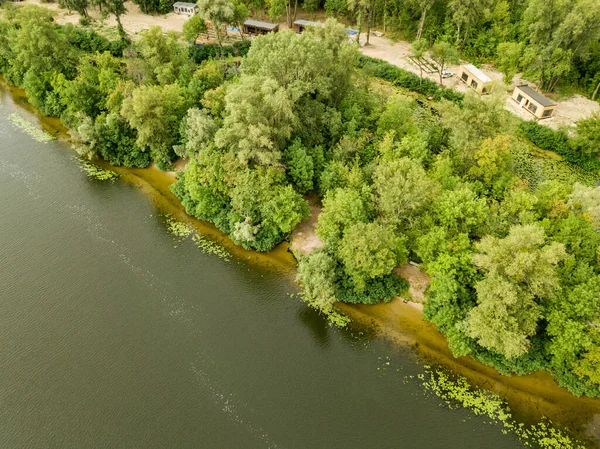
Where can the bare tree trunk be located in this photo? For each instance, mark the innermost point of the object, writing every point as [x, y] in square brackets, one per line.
[596, 91]
[369, 20]
[359, 27]
[384, 15]
[295, 13]
[422, 22]
[457, 34]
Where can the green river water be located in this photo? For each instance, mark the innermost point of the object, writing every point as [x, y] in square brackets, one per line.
[116, 334]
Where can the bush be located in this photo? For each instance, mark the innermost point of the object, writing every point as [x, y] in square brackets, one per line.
[377, 290]
[204, 52]
[558, 141]
[408, 80]
[90, 42]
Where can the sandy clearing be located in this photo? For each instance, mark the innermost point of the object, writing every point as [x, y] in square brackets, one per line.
[304, 238]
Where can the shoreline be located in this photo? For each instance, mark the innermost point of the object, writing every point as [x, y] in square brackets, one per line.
[531, 397]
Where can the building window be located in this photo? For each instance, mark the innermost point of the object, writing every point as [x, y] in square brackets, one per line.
[519, 98]
[474, 84]
[547, 113]
[532, 108]
[465, 76]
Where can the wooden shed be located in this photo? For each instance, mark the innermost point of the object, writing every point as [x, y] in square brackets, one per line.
[188, 9]
[475, 78]
[301, 25]
[256, 28]
[533, 101]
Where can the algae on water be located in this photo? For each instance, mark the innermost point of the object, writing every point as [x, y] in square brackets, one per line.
[31, 129]
[182, 231]
[99, 173]
[456, 392]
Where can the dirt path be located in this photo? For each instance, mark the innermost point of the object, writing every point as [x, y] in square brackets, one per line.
[304, 238]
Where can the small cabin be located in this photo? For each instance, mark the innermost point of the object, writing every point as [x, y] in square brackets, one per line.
[301, 25]
[475, 78]
[256, 28]
[188, 9]
[534, 102]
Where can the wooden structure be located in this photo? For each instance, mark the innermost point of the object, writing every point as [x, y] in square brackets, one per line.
[188, 9]
[256, 28]
[301, 25]
[534, 102]
[475, 79]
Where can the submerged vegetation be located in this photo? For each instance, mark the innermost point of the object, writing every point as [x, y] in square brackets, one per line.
[459, 185]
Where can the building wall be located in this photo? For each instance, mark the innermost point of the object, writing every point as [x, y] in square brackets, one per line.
[538, 110]
[468, 78]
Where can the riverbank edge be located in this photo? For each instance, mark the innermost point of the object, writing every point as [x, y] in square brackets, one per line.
[532, 396]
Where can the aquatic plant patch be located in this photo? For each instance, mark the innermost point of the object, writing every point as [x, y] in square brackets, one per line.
[456, 392]
[177, 228]
[210, 247]
[99, 173]
[30, 129]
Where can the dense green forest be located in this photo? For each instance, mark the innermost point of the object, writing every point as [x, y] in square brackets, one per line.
[507, 230]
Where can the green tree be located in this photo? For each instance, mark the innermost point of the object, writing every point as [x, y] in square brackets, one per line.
[369, 251]
[443, 53]
[508, 59]
[587, 138]
[417, 51]
[520, 270]
[402, 190]
[342, 208]
[259, 120]
[197, 133]
[300, 166]
[154, 112]
[193, 28]
[316, 274]
[219, 13]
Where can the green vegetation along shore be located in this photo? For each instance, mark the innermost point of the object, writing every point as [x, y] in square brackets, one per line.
[454, 183]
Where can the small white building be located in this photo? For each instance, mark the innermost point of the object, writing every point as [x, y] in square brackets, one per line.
[301, 25]
[475, 78]
[534, 102]
[188, 9]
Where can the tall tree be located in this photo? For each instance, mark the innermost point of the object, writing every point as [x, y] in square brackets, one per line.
[218, 13]
[520, 271]
[443, 53]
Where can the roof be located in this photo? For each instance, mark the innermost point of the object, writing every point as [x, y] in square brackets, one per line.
[478, 73]
[308, 23]
[262, 25]
[184, 5]
[536, 96]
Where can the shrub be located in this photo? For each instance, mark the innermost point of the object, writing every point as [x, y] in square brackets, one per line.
[408, 80]
[558, 141]
[380, 289]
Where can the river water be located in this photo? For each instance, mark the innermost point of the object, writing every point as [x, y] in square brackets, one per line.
[117, 334]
